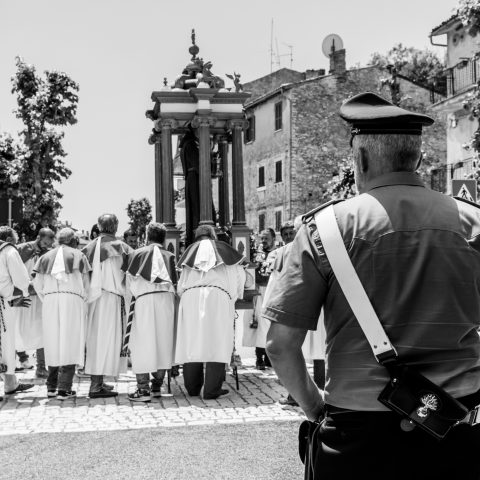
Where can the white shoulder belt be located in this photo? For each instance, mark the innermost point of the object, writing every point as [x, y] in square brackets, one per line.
[351, 286]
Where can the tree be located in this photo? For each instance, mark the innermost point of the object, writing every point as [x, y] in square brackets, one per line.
[343, 186]
[468, 12]
[44, 105]
[420, 66]
[140, 214]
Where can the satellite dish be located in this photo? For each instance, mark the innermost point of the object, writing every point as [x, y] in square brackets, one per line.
[331, 43]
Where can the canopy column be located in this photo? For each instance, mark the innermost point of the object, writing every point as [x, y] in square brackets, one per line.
[203, 125]
[240, 231]
[223, 190]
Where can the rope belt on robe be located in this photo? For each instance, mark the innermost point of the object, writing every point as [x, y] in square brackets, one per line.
[131, 314]
[122, 313]
[211, 286]
[65, 291]
[3, 329]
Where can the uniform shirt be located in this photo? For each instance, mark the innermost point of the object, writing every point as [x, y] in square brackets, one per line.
[13, 273]
[417, 254]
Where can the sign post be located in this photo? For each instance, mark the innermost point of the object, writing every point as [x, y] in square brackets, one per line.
[466, 189]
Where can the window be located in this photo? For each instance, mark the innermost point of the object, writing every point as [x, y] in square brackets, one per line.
[278, 116]
[261, 176]
[278, 220]
[278, 171]
[250, 131]
[261, 222]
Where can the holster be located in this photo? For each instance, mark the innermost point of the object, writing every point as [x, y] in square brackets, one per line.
[307, 446]
[421, 402]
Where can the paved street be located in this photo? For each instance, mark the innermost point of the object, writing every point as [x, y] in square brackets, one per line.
[255, 401]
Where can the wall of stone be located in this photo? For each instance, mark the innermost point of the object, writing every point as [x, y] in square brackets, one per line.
[270, 82]
[434, 142]
[321, 139]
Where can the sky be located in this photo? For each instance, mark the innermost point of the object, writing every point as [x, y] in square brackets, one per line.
[119, 51]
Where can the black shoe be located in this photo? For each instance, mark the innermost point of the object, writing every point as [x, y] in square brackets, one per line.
[288, 401]
[175, 371]
[22, 387]
[103, 393]
[65, 395]
[223, 391]
[260, 365]
[139, 396]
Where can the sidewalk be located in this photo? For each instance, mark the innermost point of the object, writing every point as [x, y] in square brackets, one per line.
[255, 401]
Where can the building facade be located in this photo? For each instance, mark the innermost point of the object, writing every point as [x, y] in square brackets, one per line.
[296, 140]
[463, 73]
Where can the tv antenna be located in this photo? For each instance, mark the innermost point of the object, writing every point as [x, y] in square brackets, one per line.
[331, 43]
[275, 55]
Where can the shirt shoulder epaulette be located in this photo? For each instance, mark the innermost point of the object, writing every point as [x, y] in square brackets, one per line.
[309, 215]
[467, 201]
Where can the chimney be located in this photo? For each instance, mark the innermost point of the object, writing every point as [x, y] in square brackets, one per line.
[312, 73]
[337, 62]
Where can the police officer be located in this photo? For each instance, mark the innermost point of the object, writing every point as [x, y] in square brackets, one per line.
[417, 254]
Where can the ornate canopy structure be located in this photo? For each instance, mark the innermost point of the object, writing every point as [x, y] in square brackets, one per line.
[208, 119]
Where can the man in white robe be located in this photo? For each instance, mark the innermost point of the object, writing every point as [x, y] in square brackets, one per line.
[14, 294]
[151, 280]
[29, 321]
[106, 311]
[211, 281]
[61, 282]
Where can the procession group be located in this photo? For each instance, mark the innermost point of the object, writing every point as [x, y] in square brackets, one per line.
[109, 303]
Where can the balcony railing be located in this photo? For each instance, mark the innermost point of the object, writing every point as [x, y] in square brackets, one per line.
[462, 76]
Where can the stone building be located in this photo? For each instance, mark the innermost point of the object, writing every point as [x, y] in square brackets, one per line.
[463, 73]
[296, 140]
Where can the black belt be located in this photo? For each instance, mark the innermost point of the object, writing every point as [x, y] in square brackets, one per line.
[472, 418]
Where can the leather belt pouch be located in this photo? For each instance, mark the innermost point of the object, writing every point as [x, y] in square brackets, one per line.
[421, 402]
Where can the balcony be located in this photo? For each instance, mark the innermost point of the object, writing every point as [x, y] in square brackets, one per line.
[462, 76]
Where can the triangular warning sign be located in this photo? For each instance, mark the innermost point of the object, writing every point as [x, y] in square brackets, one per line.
[465, 194]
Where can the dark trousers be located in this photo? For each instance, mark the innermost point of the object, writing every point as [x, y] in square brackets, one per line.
[96, 383]
[194, 378]
[372, 445]
[261, 354]
[60, 377]
[143, 380]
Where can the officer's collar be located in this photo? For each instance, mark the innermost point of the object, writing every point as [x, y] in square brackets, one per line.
[394, 178]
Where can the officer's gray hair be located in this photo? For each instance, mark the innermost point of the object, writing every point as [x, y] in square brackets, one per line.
[390, 153]
[65, 236]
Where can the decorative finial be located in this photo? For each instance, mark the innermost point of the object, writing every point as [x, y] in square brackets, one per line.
[236, 81]
[194, 48]
[165, 82]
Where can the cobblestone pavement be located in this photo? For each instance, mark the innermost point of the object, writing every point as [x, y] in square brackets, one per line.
[256, 400]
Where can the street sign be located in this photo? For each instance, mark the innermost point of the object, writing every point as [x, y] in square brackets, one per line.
[466, 189]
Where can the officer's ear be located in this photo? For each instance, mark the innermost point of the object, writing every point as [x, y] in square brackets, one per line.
[419, 161]
[363, 157]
